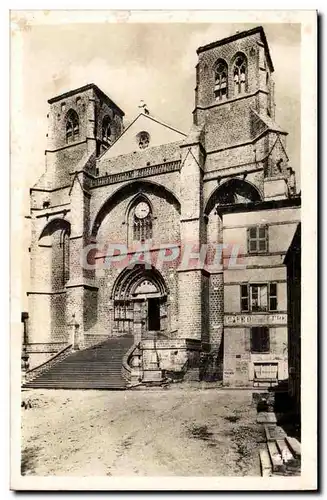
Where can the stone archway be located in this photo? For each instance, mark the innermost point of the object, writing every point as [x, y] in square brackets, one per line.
[231, 192]
[140, 302]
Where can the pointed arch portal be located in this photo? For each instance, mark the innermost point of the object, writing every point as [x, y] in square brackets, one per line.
[140, 299]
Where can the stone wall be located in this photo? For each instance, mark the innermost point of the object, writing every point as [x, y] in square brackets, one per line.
[239, 361]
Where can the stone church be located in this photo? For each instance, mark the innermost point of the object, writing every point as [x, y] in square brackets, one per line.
[101, 318]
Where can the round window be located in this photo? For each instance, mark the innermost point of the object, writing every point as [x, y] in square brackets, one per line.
[143, 140]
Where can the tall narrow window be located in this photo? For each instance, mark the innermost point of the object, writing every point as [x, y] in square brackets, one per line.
[142, 222]
[64, 244]
[240, 74]
[72, 126]
[221, 81]
[106, 131]
[258, 298]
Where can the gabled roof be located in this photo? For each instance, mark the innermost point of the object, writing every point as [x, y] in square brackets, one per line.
[152, 120]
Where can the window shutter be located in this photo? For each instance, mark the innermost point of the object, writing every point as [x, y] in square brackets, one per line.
[247, 339]
[249, 234]
[267, 241]
[265, 340]
[244, 298]
[273, 340]
[273, 296]
[255, 347]
[262, 232]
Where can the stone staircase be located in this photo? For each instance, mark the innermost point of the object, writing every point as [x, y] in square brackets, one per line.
[97, 367]
[282, 455]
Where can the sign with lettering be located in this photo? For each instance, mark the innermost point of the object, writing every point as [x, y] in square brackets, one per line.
[255, 319]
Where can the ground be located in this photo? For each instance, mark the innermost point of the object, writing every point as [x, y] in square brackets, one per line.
[172, 432]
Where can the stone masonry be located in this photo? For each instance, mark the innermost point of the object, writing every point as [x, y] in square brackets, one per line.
[228, 181]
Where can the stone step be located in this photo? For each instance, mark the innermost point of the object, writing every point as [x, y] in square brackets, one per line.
[266, 418]
[265, 463]
[275, 458]
[284, 451]
[273, 432]
[295, 446]
[97, 367]
[283, 455]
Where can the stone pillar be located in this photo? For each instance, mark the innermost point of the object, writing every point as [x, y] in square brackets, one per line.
[191, 273]
[81, 282]
[150, 362]
[139, 320]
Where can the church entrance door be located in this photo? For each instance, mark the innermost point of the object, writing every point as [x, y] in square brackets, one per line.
[140, 302]
[153, 314]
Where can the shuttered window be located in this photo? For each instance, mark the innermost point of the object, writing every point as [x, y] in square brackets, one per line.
[257, 239]
[244, 298]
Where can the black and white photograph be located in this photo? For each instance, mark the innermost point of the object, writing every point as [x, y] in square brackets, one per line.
[161, 172]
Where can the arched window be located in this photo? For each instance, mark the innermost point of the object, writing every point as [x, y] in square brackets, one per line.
[72, 126]
[221, 80]
[240, 74]
[66, 257]
[106, 131]
[64, 245]
[142, 221]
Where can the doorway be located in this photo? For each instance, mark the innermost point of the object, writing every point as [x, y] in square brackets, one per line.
[140, 300]
[153, 314]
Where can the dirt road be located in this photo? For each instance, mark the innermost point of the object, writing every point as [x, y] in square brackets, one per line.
[174, 432]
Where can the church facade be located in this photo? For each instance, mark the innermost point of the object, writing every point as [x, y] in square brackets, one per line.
[175, 239]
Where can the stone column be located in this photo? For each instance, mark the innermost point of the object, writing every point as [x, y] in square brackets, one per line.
[150, 361]
[138, 323]
[191, 273]
[81, 282]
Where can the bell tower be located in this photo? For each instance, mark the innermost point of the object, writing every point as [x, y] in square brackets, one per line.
[234, 102]
[235, 69]
[81, 123]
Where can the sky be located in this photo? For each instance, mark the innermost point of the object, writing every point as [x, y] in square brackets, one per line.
[129, 62]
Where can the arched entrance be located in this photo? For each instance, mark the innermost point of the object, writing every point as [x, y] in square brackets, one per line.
[140, 301]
